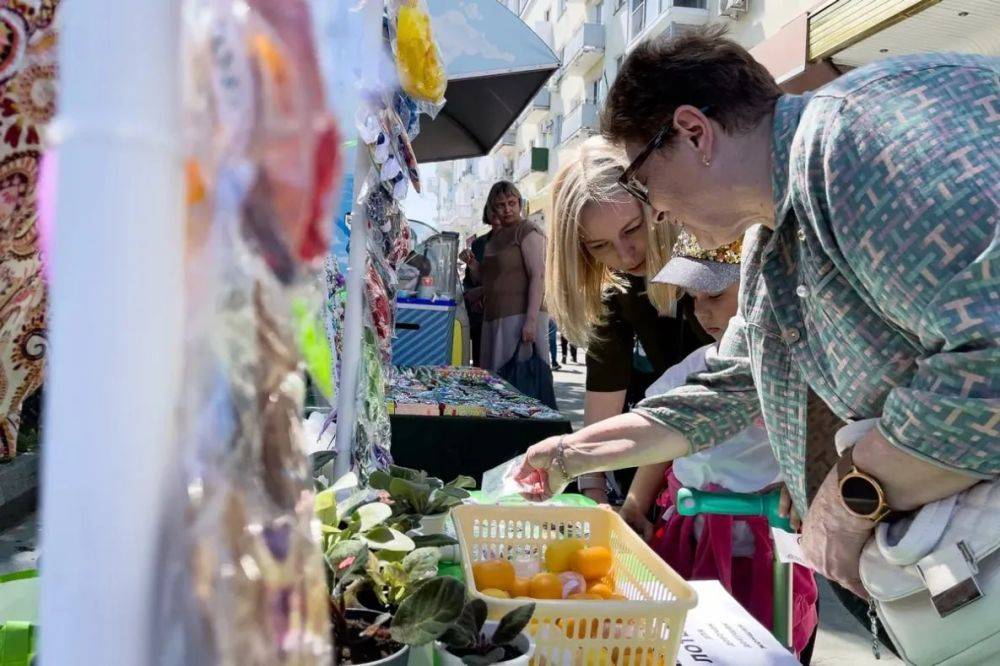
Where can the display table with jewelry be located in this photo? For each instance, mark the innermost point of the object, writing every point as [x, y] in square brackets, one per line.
[453, 420]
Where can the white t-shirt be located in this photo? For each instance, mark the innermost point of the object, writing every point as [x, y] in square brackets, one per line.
[742, 464]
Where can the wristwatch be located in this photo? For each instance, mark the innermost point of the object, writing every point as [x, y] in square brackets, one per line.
[861, 493]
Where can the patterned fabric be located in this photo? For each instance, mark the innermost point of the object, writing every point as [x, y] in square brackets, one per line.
[27, 103]
[878, 287]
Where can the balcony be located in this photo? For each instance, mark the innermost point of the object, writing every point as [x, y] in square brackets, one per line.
[580, 122]
[508, 143]
[539, 106]
[584, 49]
[654, 17]
[532, 166]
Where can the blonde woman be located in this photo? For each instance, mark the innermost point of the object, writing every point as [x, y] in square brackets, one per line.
[603, 247]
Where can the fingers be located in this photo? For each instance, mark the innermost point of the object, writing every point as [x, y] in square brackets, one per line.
[785, 502]
[795, 520]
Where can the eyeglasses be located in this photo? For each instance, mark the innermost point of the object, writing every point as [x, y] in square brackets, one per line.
[628, 181]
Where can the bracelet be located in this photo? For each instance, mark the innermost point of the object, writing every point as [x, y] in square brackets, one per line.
[560, 458]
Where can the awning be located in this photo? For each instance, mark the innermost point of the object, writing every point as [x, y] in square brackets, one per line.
[856, 32]
[495, 63]
[784, 55]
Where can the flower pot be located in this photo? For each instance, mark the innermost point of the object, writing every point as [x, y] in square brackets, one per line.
[433, 524]
[397, 658]
[522, 642]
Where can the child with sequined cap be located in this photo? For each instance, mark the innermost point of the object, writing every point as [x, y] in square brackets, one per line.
[737, 551]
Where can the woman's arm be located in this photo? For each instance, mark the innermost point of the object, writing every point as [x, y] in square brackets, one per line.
[627, 440]
[597, 406]
[533, 251]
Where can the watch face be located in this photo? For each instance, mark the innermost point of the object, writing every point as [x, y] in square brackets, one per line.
[860, 495]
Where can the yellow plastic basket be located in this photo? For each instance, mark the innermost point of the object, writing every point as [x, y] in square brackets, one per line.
[643, 631]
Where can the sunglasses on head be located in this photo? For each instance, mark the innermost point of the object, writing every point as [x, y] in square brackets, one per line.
[628, 181]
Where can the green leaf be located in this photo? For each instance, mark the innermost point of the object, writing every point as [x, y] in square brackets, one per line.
[372, 514]
[347, 507]
[386, 538]
[379, 480]
[462, 482]
[465, 632]
[400, 472]
[410, 492]
[320, 459]
[346, 482]
[421, 563]
[325, 507]
[512, 624]
[492, 657]
[435, 540]
[428, 612]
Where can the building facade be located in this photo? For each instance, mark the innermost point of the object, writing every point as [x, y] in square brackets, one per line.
[804, 43]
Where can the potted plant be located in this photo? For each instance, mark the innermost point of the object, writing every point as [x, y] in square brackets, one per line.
[355, 533]
[421, 499]
[436, 611]
[357, 635]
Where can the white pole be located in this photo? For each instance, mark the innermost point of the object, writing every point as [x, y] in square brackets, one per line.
[350, 365]
[115, 327]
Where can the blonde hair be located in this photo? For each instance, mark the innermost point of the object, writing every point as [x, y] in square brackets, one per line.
[575, 282]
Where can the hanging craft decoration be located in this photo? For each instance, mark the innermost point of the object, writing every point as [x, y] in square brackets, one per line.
[418, 60]
[263, 162]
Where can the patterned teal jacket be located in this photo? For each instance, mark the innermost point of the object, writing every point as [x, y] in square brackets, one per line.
[879, 286]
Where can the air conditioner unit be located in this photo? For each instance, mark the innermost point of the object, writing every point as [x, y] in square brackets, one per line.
[546, 127]
[734, 9]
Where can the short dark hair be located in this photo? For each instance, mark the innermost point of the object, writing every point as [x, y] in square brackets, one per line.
[701, 68]
[486, 214]
[502, 188]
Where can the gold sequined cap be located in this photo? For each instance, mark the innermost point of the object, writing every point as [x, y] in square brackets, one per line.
[687, 246]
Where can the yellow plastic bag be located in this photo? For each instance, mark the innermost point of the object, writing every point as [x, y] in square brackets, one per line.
[418, 61]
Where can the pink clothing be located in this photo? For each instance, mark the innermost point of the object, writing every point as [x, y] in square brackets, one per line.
[748, 579]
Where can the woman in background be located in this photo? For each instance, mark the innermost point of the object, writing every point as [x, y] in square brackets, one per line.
[472, 283]
[513, 270]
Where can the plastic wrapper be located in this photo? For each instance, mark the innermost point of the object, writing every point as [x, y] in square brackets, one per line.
[418, 60]
[262, 163]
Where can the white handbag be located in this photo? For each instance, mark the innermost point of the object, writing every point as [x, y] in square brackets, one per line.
[934, 577]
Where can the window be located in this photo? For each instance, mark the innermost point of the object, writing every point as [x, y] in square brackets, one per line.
[691, 4]
[598, 13]
[637, 21]
[561, 9]
[557, 128]
[548, 15]
[594, 93]
[618, 5]
[618, 63]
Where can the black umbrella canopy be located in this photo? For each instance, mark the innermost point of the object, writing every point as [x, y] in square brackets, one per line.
[496, 64]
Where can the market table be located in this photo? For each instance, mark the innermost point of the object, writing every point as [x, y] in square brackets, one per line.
[462, 420]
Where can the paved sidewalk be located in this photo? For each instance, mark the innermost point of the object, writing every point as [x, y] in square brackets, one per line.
[841, 641]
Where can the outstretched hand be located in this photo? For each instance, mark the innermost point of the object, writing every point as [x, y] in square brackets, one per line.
[537, 476]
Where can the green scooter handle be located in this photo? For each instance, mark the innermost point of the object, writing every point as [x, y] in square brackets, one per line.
[693, 502]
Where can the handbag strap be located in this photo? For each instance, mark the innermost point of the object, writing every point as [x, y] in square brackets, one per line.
[920, 533]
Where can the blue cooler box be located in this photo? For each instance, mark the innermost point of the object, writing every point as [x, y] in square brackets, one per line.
[424, 331]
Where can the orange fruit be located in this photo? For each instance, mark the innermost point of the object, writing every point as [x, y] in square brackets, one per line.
[592, 563]
[546, 586]
[521, 587]
[600, 589]
[559, 553]
[585, 595]
[491, 592]
[494, 574]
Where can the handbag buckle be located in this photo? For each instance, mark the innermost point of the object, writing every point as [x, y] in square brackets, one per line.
[950, 577]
